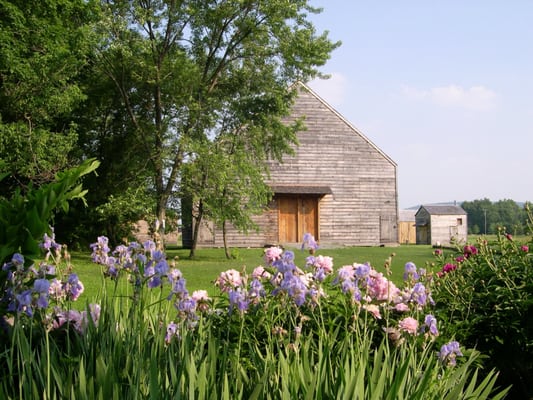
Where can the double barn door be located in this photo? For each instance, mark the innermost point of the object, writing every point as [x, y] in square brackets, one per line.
[297, 215]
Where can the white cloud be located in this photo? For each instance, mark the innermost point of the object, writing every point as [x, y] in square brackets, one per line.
[477, 98]
[332, 90]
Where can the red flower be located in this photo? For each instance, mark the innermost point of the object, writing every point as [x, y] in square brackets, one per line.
[470, 251]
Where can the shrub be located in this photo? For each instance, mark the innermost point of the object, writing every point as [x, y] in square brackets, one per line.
[485, 300]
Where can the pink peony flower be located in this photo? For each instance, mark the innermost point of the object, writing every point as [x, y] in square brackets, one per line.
[401, 307]
[324, 262]
[373, 309]
[470, 251]
[272, 254]
[524, 248]
[380, 288]
[260, 272]
[228, 280]
[200, 295]
[409, 325]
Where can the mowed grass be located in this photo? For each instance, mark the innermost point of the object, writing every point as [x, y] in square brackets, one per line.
[201, 272]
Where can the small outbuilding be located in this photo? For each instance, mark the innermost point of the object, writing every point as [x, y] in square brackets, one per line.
[441, 225]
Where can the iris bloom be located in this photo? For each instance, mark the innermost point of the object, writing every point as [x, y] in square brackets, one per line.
[449, 352]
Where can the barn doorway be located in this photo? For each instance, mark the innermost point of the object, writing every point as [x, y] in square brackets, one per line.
[297, 215]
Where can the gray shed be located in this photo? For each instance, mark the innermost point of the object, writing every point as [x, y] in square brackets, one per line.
[441, 225]
[338, 186]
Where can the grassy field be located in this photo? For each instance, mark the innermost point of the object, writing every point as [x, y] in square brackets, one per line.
[208, 263]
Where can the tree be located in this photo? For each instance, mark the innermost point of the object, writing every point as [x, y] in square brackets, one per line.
[479, 214]
[190, 73]
[43, 48]
[485, 216]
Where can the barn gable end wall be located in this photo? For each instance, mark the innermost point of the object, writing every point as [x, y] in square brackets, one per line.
[333, 154]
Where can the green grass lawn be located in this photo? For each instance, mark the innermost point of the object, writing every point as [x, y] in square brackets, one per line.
[201, 271]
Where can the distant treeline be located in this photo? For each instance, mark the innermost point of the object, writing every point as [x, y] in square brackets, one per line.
[485, 216]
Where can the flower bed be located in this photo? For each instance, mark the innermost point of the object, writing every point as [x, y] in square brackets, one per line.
[279, 331]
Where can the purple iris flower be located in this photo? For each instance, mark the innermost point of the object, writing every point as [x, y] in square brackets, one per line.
[431, 323]
[449, 352]
[410, 272]
[238, 300]
[256, 288]
[17, 259]
[362, 271]
[285, 263]
[41, 286]
[418, 294]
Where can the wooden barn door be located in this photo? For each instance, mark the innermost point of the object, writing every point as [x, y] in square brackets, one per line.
[388, 233]
[297, 215]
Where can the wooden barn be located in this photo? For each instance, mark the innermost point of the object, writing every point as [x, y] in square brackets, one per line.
[339, 186]
[440, 225]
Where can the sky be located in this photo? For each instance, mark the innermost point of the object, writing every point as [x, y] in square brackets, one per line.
[444, 88]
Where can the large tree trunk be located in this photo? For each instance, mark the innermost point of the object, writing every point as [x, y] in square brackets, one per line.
[159, 229]
[226, 249]
[196, 229]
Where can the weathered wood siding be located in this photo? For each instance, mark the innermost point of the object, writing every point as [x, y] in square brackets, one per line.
[362, 208]
[440, 229]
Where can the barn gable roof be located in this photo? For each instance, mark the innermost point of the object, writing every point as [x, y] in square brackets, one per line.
[443, 210]
[344, 120]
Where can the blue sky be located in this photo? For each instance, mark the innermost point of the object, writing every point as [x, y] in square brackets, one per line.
[445, 88]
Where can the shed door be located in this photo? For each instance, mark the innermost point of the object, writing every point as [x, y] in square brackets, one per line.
[297, 215]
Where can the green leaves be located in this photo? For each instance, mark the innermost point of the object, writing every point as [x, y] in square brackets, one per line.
[486, 303]
[25, 217]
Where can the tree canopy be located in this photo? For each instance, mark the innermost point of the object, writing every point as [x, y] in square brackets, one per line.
[188, 80]
[485, 216]
[44, 46]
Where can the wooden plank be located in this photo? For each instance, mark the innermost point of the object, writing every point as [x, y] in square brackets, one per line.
[288, 219]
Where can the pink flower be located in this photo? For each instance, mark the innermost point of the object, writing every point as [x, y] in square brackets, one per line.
[438, 252]
[202, 299]
[524, 248]
[228, 280]
[373, 309]
[200, 295]
[401, 307]
[446, 268]
[260, 272]
[470, 251]
[380, 288]
[272, 254]
[324, 262]
[56, 290]
[409, 325]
